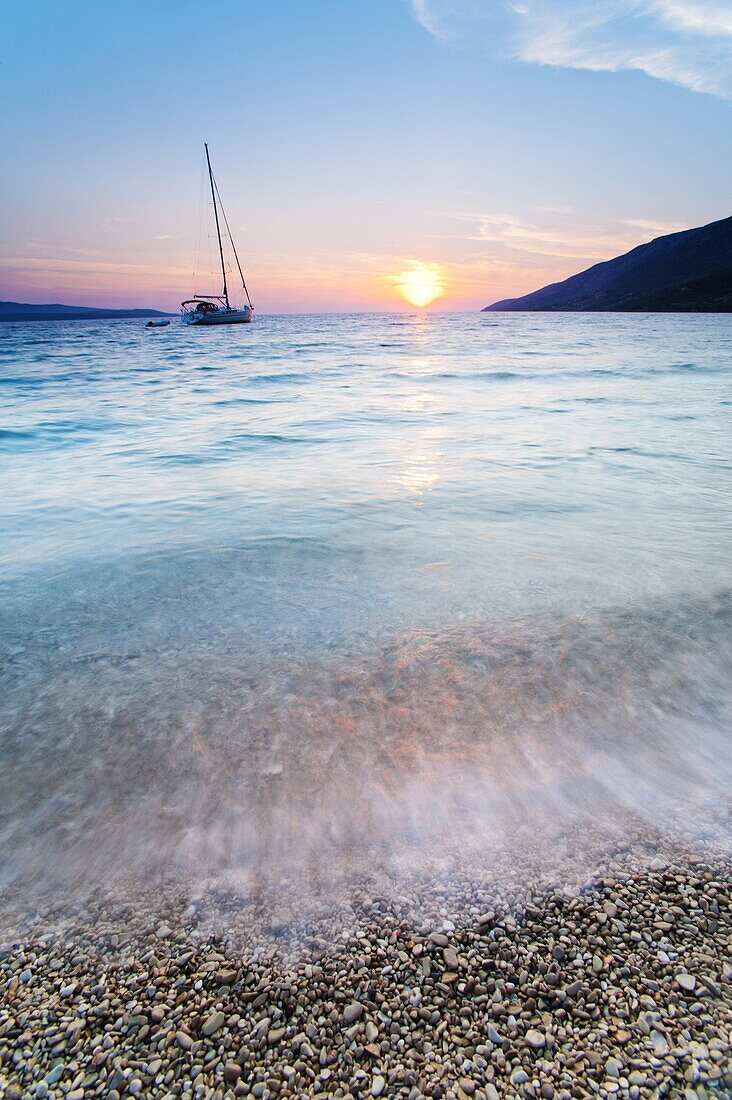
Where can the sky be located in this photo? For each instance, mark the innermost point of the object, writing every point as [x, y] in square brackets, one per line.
[481, 148]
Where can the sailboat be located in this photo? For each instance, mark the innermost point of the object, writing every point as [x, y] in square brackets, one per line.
[216, 309]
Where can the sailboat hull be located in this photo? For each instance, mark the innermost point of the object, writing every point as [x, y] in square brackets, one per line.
[220, 317]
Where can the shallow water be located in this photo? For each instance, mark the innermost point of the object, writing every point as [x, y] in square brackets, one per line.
[330, 586]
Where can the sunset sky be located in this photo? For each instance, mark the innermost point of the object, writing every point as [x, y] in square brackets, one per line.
[502, 145]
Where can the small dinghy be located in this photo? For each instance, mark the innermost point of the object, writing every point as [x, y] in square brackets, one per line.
[157, 324]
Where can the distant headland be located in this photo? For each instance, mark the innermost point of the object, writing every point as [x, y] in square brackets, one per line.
[687, 272]
[23, 311]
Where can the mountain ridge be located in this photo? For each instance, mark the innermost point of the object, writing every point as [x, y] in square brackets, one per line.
[687, 271]
[27, 311]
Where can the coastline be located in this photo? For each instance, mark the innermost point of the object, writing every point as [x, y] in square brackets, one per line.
[524, 975]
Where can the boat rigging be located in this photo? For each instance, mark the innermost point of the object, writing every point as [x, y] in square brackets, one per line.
[216, 309]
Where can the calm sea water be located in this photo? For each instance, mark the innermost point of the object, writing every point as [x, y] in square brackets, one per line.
[339, 582]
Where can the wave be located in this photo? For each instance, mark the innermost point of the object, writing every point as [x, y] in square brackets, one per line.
[486, 376]
[226, 401]
[31, 381]
[618, 372]
[199, 756]
[294, 377]
[223, 450]
[59, 433]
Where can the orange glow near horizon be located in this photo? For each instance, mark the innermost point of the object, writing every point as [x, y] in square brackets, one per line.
[281, 284]
[422, 284]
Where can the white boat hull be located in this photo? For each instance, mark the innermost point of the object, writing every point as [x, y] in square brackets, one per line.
[220, 317]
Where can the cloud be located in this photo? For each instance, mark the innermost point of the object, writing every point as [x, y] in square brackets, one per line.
[658, 229]
[553, 238]
[684, 42]
[87, 275]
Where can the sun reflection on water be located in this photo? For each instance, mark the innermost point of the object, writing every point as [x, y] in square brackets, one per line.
[421, 469]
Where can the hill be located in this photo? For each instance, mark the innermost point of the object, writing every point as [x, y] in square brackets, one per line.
[687, 272]
[23, 311]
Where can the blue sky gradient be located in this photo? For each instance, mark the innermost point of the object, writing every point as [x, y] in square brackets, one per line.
[351, 140]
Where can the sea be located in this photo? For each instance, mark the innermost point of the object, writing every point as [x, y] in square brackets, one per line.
[328, 587]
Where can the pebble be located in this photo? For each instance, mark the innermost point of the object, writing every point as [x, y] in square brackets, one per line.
[450, 955]
[226, 977]
[352, 1012]
[214, 1023]
[660, 1043]
[711, 986]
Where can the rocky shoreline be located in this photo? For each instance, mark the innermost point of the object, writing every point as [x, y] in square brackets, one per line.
[527, 978]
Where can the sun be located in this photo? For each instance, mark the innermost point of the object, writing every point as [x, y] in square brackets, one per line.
[422, 284]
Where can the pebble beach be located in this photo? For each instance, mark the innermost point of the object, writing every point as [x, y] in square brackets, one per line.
[365, 709]
[528, 978]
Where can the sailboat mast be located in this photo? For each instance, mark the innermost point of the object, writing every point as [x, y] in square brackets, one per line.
[218, 227]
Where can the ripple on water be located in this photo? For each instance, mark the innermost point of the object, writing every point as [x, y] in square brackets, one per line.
[317, 595]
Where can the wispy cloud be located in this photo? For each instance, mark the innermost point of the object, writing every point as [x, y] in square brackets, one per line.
[553, 237]
[49, 249]
[98, 275]
[685, 42]
[656, 228]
